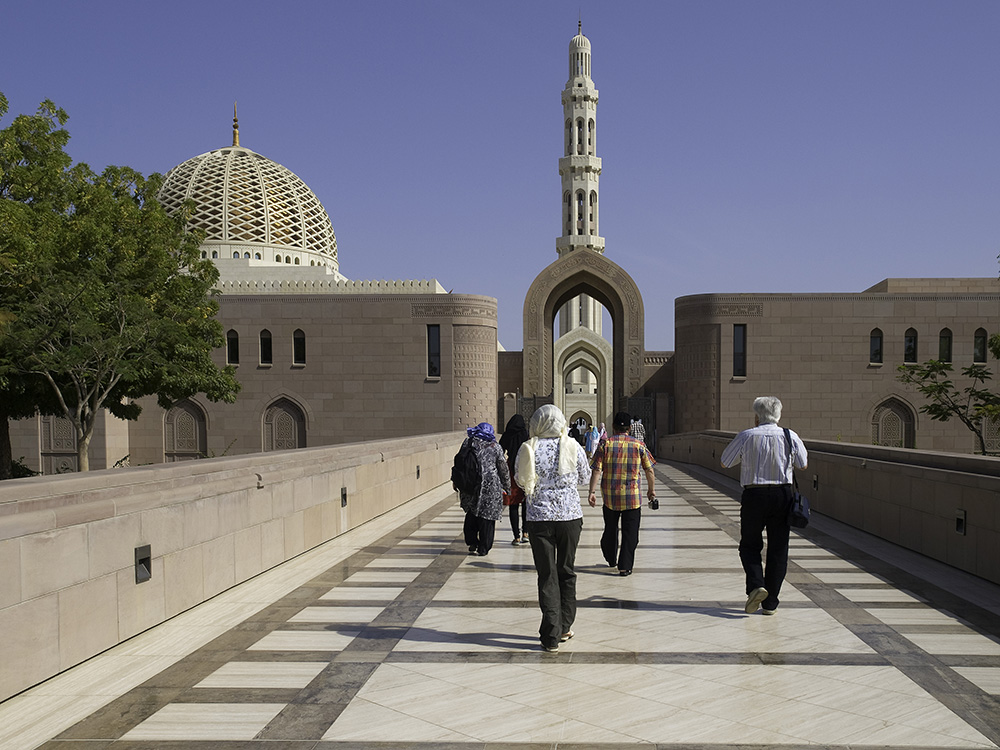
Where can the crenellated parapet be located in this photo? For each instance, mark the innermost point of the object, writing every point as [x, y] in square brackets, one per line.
[329, 286]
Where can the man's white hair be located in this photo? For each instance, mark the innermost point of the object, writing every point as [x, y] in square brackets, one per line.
[767, 409]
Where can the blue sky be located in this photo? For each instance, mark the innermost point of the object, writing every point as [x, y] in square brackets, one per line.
[747, 146]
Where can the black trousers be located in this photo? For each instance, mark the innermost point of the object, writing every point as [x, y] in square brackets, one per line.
[517, 516]
[624, 558]
[479, 533]
[763, 509]
[553, 547]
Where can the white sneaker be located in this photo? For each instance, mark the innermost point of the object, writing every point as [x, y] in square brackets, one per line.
[753, 601]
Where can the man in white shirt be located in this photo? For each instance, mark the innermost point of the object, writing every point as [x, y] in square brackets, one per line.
[766, 476]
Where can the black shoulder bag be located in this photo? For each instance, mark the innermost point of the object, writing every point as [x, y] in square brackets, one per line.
[798, 512]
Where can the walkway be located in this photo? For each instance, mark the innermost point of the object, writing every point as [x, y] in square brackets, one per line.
[392, 636]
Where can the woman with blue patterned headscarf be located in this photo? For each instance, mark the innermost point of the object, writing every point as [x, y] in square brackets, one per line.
[485, 507]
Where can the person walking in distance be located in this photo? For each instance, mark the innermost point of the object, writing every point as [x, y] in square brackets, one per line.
[514, 435]
[616, 466]
[639, 431]
[766, 475]
[483, 505]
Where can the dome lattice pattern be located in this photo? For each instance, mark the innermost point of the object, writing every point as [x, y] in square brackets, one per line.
[251, 204]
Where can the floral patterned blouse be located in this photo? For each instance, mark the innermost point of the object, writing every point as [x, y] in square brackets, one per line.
[488, 503]
[556, 497]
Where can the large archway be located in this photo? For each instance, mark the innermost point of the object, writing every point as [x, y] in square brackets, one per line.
[582, 348]
[583, 272]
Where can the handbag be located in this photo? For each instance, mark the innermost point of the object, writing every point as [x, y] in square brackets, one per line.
[515, 496]
[798, 511]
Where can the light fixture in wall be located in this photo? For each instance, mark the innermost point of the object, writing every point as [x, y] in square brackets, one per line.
[143, 564]
[960, 522]
[343, 497]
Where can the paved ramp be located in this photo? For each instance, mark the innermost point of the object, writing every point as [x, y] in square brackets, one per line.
[393, 636]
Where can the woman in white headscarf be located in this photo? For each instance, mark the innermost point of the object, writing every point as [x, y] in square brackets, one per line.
[550, 466]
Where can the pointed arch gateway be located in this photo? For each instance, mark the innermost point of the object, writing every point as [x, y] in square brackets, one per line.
[590, 273]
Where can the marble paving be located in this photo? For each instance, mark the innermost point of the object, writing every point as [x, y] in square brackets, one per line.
[392, 636]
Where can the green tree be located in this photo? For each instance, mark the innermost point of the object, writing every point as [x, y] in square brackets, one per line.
[971, 405]
[107, 298]
[35, 174]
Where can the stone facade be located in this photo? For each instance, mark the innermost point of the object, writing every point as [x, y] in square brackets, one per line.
[813, 351]
[365, 377]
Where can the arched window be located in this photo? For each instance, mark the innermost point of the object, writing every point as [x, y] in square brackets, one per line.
[215, 253]
[979, 346]
[266, 356]
[204, 254]
[256, 256]
[944, 345]
[569, 137]
[579, 212]
[288, 259]
[185, 432]
[298, 347]
[296, 261]
[246, 255]
[910, 346]
[893, 425]
[236, 254]
[593, 212]
[312, 263]
[569, 213]
[579, 137]
[590, 137]
[232, 347]
[875, 346]
[284, 426]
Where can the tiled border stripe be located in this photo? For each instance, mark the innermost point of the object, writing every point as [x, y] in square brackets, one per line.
[931, 672]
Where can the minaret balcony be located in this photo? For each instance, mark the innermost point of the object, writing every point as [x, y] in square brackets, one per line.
[578, 163]
[579, 242]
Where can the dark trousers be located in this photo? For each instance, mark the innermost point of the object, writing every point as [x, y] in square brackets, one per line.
[553, 547]
[624, 558]
[517, 516]
[479, 533]
[765, 509]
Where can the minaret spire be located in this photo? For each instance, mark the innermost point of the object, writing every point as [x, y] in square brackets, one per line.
[236, 128]
[580, 167]
[580, 170]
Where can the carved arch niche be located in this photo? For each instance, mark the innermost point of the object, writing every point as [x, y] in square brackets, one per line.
[893, 424]
[590, 273]
[185, 432]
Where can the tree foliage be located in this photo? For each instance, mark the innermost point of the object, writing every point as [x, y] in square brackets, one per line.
[105, 298]
[972, 405]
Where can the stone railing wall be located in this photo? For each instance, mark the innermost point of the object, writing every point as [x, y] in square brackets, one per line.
[69, 543]
[943, 505]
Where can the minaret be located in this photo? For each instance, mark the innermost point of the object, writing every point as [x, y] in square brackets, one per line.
[580, 169]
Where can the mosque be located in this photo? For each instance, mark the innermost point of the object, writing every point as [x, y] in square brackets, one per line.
[324, 359]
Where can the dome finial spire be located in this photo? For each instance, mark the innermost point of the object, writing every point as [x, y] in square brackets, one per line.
[579, 24]
[236, 128]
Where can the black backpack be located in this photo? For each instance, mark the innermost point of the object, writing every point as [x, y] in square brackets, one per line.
[466, 476]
